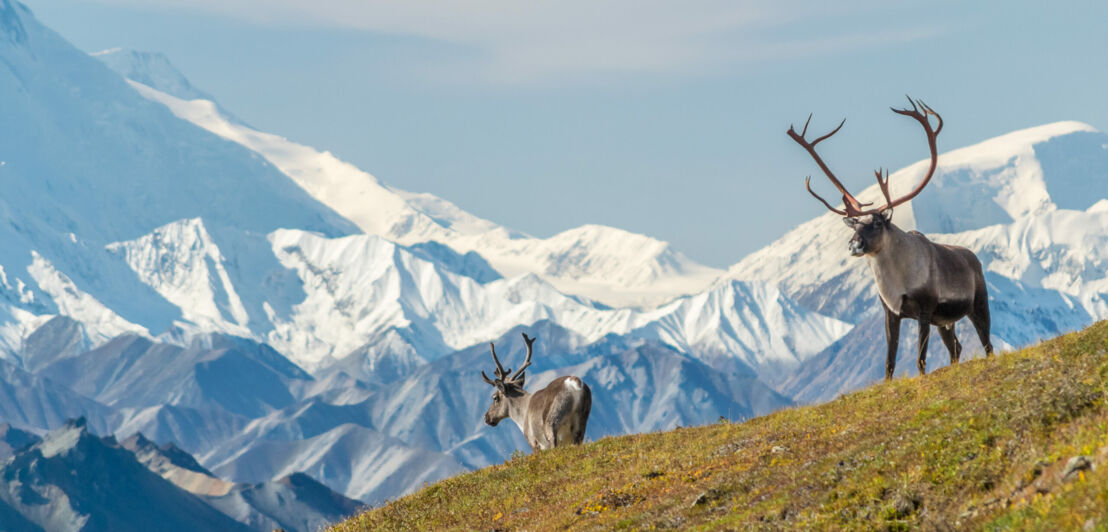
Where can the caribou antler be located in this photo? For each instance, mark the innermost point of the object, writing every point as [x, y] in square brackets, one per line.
[852, 205]
[932, 135]
[852, 208]
[500, 372]
[519, 372]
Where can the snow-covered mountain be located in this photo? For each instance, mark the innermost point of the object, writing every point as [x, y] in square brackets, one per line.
[364, 290]
[87, 161]
[601, 263]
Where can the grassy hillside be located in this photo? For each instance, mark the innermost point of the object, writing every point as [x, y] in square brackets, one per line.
[982, 445]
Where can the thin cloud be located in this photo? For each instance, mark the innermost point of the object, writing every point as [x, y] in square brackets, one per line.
[512, 41]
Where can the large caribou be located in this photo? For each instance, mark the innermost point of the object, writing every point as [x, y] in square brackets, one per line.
[935, 284]
[553, 416]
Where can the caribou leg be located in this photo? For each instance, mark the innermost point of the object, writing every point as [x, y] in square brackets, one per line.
[579, 434]
[980, 319]
[952, 344]
[892, 337]
[924, 336]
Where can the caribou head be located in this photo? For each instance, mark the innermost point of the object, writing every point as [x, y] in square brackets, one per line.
[869, 233]
[508, 388]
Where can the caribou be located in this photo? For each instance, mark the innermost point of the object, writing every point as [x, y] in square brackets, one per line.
[934, 284]
[551, 417]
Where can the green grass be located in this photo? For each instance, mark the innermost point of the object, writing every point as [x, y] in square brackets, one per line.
[976, 446]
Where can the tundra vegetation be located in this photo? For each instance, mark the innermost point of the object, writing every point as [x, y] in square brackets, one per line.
[1013, 442]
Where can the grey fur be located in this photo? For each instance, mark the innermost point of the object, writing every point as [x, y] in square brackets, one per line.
[935, 284]
[553, 416]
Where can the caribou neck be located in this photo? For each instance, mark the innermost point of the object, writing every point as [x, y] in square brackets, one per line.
[894, 244]
[894, 267]
[517, 409]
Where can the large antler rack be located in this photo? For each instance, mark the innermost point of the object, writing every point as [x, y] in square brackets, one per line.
[501, 373]
[526, 363]
[852, 208]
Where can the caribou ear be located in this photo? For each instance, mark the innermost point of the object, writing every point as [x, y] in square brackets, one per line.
[887, 214]
[851, 223]
[499, 386]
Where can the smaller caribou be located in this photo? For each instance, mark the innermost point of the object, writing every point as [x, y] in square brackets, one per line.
[553, 416]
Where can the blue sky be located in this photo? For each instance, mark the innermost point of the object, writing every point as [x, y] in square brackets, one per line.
[663, 118]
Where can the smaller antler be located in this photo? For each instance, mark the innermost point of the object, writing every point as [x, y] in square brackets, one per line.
[500, 372]
[852, 207]
[527, 362]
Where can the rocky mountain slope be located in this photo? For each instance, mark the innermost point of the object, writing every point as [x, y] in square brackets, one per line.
[71, 479]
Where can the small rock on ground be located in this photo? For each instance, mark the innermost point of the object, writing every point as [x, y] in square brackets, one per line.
[1076, 464]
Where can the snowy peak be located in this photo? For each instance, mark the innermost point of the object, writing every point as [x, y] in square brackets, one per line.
[601, 252]
[65, 439]
[364, 291]
[183, 264]
[60, 100]
[152, 69]
[129, 168]
[742, 320]
[1005, 178]
[601, 263]
[998, 150]
[354, 194]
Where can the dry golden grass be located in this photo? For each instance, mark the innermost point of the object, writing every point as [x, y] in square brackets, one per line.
[977, 446]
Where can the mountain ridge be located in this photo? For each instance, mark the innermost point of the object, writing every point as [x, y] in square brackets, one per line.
[71, 479]
[573, 260]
